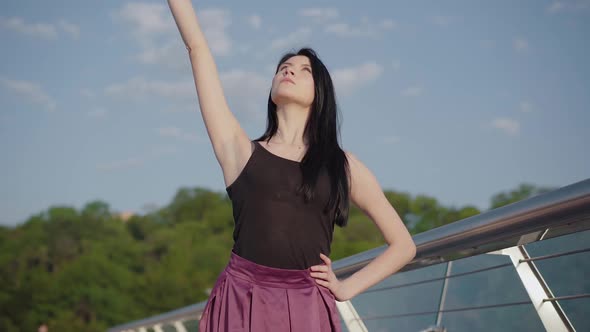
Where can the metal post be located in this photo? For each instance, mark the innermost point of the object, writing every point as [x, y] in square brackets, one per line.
[179, 326]
[351, 318]
[551, 315]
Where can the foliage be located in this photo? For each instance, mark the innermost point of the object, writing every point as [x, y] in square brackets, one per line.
[91, 269]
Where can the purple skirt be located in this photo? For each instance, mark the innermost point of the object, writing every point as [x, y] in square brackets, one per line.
[257, 298]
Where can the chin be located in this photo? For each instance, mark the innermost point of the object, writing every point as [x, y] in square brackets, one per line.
[285, 97]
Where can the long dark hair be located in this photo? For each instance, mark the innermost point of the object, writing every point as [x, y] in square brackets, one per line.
[322, 135]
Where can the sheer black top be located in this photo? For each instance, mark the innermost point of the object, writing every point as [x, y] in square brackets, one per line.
[274, 226]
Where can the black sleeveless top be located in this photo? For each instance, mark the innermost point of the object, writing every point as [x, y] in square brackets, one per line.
[274, 226]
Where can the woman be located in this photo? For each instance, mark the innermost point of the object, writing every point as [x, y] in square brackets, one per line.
[288, 188]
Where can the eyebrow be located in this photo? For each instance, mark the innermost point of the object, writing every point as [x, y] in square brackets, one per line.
[290, 64]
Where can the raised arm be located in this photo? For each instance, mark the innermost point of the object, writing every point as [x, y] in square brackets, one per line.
[230, 142]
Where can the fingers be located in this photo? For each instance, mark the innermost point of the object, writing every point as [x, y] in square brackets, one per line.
[323, 283]
[321, 275]
[324, 268]
[322, 271]
[320, 268]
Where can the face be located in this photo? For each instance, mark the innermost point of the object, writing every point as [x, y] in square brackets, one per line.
[293, 82]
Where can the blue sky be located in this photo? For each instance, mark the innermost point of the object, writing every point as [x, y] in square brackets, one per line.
[458, 100]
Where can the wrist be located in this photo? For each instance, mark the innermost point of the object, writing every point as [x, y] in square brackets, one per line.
[347, 289]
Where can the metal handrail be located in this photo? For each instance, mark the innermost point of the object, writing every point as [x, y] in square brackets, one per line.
[561, 211]
[499, 228]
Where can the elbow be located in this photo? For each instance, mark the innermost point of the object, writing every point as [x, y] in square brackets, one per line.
[410, 250]
[406, 249]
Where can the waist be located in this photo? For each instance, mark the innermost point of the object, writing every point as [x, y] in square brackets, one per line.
[268, 276]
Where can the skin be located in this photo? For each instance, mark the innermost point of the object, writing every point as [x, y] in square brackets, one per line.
[232, 149]
[292, 90]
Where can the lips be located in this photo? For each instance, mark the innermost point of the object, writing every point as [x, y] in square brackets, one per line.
[286, 79]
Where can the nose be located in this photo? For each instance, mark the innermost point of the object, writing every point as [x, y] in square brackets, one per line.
[286, 71]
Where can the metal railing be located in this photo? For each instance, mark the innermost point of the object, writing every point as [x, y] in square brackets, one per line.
[503, 230]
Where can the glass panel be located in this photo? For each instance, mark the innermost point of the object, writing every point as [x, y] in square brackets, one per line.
[191, 325]
[168, 328]
[515, 318]
[494, 282]
[565, 274]
[399, 306]
[499, 285]
[344, 328]
[577, 312]
[404, 323]
[558, 244]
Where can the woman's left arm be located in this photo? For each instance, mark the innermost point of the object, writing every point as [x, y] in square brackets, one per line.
[366, 193]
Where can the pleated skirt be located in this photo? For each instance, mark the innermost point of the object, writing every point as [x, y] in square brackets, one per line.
[257, 298]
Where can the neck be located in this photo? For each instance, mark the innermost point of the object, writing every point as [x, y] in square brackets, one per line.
[291, 124]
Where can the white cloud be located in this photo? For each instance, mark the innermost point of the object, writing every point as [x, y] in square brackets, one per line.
[146, 18]
[30, 91]
[343, 30]
[507, 125]
[39, 30]
[367, 28]
[387, 24]
[526, 107]
[413, 91]
[246, 90]
[178, 133]
[296, 38]
[214, 23]
[328, 17]
[254, 21]
[347, 31]
[520, 44]
[556, 6]
[154, 28]
[72, 29]
[346, 80]
[320, 14]
[172, 55]
[570, 6]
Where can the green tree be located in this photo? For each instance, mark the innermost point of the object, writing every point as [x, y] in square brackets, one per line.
[523, 191]
[88, 270]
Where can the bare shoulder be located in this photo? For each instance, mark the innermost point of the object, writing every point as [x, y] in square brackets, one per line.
[358, 170]
[364, 187]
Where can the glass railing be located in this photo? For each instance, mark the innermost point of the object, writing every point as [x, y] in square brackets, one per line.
[520, 267]
[488, 292]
